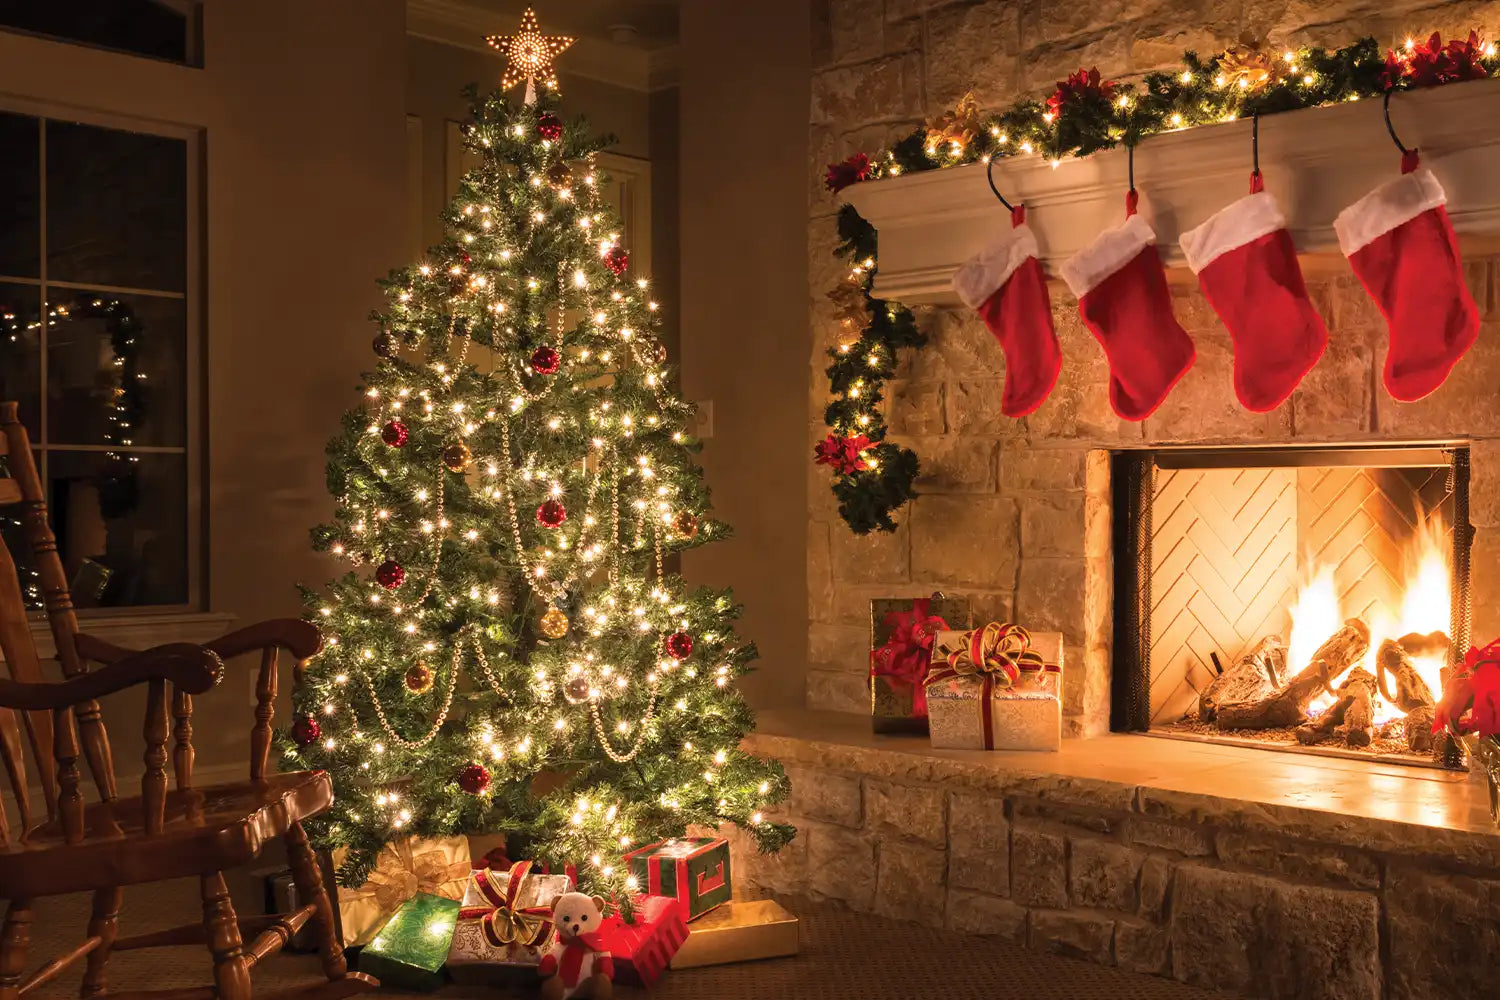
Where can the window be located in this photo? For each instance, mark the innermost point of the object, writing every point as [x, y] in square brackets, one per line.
[97, 335]
[160, 29]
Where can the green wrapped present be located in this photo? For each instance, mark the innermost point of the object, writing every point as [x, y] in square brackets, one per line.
[410, 950]
[694, 871]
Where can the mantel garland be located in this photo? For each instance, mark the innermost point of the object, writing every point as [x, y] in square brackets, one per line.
[873, 477]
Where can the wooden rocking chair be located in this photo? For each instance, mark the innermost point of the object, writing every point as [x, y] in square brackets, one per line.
[102, 846]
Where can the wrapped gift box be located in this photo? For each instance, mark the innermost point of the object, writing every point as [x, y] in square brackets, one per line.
[692, 870]
[743, 931]
[1013, 702]
[901, 635]
[505, 924]
[643, 947]
[405, 868]
[409, 950]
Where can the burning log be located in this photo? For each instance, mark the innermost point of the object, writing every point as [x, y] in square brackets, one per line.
[1412, 695]
[1358, 727]
[1323, 726]
[1288, 706]
[1258, 673]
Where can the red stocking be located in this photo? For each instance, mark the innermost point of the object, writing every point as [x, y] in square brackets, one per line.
[1247, 266]
[1122, 295]
[1005, 284]
[1401, 245]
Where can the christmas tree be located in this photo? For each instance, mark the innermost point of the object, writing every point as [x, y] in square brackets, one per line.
[510, 651]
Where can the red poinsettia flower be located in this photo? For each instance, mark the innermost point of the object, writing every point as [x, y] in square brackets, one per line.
[846, 172]
[1474, 685]
[842, 453]
[1430, 63]
[1078, 87]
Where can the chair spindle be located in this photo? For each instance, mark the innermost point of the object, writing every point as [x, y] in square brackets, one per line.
[265, 710]
[183, 754]
[65, 751]
[154, 780]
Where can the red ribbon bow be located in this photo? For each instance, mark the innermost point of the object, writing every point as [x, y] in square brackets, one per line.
[504, 922]
[1474, 685]
[907, 654]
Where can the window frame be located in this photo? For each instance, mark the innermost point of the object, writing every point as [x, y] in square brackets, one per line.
[194, 299]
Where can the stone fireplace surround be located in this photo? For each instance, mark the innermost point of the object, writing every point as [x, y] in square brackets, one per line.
[1241, 869]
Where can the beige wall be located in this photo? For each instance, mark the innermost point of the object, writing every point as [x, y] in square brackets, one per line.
[745, 70]
[301, 106]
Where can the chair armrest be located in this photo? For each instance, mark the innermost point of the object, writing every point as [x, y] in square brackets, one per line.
[298, 637]
[191, 669]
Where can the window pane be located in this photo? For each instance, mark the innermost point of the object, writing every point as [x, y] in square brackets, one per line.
[116, 370]
[21, 353]
[145, 27]
[20, 197]
[121, 526]
[116, 208]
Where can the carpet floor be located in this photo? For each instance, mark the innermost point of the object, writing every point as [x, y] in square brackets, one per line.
[845, 956]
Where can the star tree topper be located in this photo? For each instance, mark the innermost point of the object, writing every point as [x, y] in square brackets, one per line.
[529, 55]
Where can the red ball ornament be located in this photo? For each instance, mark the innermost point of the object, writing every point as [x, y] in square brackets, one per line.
[390, 575]
[394, 434]
[306, 730]
[617, 259]
[545, 360]
[552, 513]
[549, 126]
[679, 645]
[474, 779]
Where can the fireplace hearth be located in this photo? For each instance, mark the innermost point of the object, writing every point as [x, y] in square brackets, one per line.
[1300, 599]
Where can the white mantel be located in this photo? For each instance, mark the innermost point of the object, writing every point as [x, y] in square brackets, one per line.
[1315, 161]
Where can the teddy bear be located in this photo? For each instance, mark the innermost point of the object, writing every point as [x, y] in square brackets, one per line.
[578, 965]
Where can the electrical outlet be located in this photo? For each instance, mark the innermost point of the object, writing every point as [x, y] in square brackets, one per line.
[705, 428]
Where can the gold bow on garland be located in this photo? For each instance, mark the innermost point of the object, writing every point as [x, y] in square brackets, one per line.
[503, 921]
[1248, 67]
[998, 652]
[437, 866]
[958, 127]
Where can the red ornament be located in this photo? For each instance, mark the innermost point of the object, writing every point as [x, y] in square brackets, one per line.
[679, 645]
[474, 779]
[552, 513]
[545, 360]
[549, 126]
[617, 259]
[394, 434]
[846, 172]
[305, 730]
[390, 575]
[842, 453]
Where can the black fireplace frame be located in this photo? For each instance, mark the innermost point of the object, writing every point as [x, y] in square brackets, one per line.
[1133, 481]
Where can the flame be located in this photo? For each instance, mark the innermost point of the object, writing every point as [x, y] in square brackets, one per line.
[1426, 606]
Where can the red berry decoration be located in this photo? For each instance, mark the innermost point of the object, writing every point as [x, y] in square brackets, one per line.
[474, 779]
[549, 126]
[617, 259]
[552, 513]
[679, 645]
[390, 575]
[545, 360]
[306, 730]
[394, 434]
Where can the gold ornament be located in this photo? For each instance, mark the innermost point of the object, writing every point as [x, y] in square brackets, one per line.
[457, 456]
[560, 175]
[955, 129]
[418, 678]
[577, 689]
[554, 623]
[529, 53]
[1247, 67]
[685, 524]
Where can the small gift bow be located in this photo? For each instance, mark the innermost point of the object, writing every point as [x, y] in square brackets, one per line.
[503, 921]
[401, 873]
[907, 654]
[998, 652]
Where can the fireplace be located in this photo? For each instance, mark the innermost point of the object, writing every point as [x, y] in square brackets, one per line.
[1304, 599]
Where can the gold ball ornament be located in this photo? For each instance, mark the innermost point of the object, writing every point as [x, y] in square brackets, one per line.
[418, 678]
[457, 456]
[554, 624]
[577, 689]
[685, 524]
[560, 175]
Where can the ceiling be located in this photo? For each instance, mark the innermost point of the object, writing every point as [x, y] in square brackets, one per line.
[645, 24]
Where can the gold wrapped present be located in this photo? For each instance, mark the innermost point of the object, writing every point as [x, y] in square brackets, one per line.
[901, 635]
[743, 931]
[996, 688]
[436, 866]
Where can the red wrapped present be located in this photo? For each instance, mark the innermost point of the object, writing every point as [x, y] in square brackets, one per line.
[641, 949]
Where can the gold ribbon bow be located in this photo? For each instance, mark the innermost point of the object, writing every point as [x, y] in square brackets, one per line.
[503, 921]
[999, 651]
[403, 869]
[957, 127]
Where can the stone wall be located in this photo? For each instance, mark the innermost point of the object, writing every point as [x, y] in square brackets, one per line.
[1234, 896]
[1015, 513]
